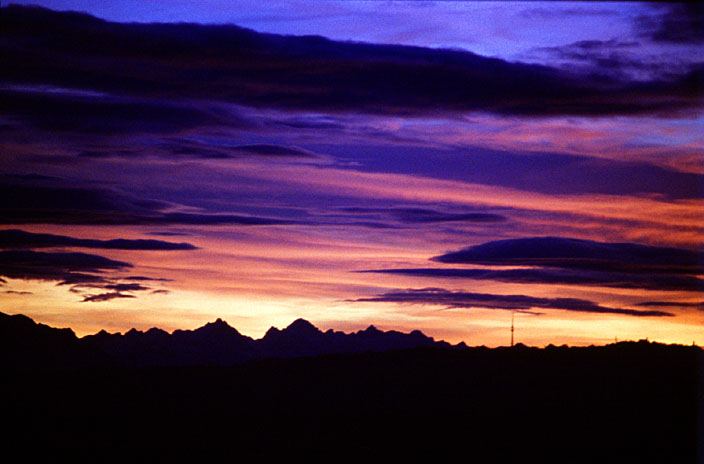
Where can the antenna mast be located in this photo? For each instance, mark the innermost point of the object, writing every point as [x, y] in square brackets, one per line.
[513, 313]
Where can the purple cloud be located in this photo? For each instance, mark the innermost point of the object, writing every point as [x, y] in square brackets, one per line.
[452, 299]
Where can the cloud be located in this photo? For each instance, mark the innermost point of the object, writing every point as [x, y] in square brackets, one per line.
[143, 278]
[107, 115]
[211, 147]
[535, 171]
[105, 297]
[69, 268]
[166, 233]
[126, 287]
[679, 23]
[574, 254]
[273, 151]
[117, 291]
[160, 292]
[78, 279]
[14, 238]
[566, 261]
[211, 219]
[549, 11]
[453, 299]
[617, 59]
[80, 271]
[156, 66]
[413, 215]
[560, 277]
[32, 177]
[60, 204]
[315, 122]
[673, 304]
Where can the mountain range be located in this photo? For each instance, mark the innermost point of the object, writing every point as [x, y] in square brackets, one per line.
[195, 391]
[27, 344]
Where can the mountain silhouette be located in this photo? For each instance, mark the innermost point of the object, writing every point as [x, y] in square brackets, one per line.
[215, 344]
[215, 390]
[24, 344]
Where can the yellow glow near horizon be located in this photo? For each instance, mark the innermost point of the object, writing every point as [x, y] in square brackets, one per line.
[253, 314]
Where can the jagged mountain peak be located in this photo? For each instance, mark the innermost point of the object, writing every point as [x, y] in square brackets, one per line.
[216, 343]
[272, 332]
[156, 330]
[301, 326]
[217, 326]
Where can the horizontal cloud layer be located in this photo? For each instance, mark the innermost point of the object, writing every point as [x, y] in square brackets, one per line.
[561, 277]
[410, 215]
[105, 297]
[81, 271]
[568, 253]
[61, 204]
[551, 173]
[566, 261]
[232, 64]
[20, 239]
[451, 299]
[60, 111]
[673, 304]
[64, 267]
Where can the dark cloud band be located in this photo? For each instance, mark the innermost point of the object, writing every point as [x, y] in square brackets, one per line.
[14, 238]
[587, 255]
[679, 23]
[105, 297]
[80, 271]
[451, 299]
[426, 215]
[673, 304]
[41, 204]
[65, 267]
[560, 277]
[232, 64]
[567, 261]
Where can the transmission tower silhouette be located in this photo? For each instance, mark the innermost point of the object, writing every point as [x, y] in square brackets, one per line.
[513, 313]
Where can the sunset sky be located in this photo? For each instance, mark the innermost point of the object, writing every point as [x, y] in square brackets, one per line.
[423, 165]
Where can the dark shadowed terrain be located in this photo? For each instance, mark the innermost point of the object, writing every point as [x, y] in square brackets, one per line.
[637, 399]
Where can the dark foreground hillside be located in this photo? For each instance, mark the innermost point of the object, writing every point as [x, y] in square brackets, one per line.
[632, 399]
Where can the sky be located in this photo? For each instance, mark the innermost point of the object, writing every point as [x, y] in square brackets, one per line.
[412, 165]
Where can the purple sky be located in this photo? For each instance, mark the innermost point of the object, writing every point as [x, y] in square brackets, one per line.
[261, 174]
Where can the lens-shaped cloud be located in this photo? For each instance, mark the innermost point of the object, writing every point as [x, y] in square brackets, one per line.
[567, 261]
[568, 253]
[453, 299]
